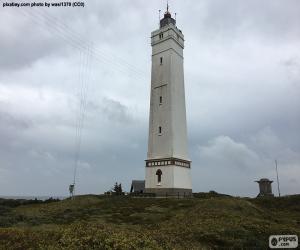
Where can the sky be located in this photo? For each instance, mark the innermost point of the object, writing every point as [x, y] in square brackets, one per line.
[62, 66]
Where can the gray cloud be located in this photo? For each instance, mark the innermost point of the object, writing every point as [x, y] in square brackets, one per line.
[9, 121]
[223, 151]
[25, 40]
[114, 111]
[242, 90]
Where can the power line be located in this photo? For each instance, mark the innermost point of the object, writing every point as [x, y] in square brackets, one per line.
[84, 79]
[86, 52]
[75, 40]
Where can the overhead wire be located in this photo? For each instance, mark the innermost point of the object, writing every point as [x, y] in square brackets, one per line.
[77, 42]
[86, 53]
[84, 79]
[78, 36]
[77, 137]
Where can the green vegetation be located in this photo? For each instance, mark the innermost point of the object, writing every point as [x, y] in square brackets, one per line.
[207, 221]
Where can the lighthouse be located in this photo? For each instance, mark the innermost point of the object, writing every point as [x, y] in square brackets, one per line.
[168, 166]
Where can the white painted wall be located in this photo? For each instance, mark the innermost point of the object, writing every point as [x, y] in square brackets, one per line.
[172, 177]
[167, 80]
[182, 177]
[167, 178]
[170, 115]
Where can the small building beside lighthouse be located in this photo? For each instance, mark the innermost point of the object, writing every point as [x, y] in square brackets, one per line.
[168, 166]
[265, 187]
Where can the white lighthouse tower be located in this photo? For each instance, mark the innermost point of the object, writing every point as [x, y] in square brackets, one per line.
[168, 167]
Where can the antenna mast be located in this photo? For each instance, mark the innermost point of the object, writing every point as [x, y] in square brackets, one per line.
[277, 178]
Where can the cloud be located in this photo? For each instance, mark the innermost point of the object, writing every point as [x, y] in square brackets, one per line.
[115, 111]
[222, 151]
[241, 62]
[7, 121]
[20, 45]
[266, 142]
[234, 165]
[251, 19]
[292, 65]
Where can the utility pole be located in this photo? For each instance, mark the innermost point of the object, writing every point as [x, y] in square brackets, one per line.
[159, 17]
[277, 178]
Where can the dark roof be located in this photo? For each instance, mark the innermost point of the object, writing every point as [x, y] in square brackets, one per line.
[264, 180]
[137, 186]
[167, 20]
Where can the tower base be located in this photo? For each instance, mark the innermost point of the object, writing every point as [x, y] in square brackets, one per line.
[170, 192]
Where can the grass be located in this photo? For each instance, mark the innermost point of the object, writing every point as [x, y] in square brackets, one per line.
[208, 221]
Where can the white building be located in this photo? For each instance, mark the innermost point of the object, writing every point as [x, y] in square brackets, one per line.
[168, 167]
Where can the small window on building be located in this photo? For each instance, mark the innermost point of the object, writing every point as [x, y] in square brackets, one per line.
[159, 129]
[159, 174]
[160, 100]
[161, 36]
[161, 60]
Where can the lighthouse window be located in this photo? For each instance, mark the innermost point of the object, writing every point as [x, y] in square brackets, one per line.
[158, 173]
[161, 60]
[159, 129]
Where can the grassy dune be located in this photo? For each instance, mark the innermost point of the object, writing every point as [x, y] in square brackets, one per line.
[208, 221]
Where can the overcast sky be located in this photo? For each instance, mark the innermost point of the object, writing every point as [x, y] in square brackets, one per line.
[242, 81]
